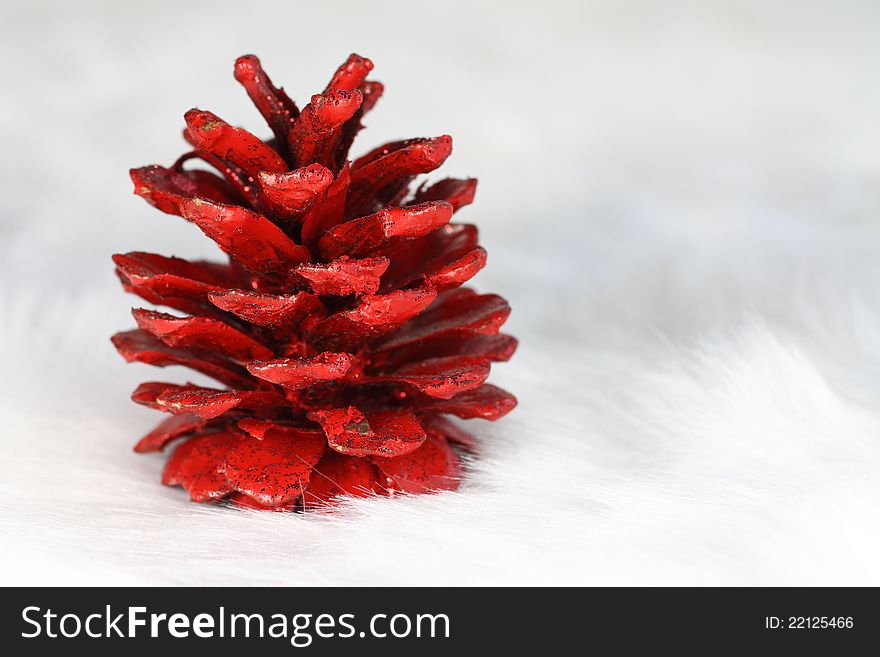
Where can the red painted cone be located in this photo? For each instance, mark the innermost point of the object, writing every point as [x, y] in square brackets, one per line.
[337, 330]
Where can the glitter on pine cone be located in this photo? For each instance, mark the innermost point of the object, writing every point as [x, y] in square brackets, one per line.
[338, 330]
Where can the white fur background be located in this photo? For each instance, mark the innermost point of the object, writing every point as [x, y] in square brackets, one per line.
[680, 200]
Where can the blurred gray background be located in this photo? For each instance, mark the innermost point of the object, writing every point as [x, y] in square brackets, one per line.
[679, 199]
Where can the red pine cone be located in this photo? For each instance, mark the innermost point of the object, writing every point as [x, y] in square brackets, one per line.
[337, 329]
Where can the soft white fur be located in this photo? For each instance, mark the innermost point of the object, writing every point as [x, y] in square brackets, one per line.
[681, 206]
